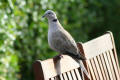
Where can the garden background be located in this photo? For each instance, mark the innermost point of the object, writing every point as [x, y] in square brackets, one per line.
[23, 33]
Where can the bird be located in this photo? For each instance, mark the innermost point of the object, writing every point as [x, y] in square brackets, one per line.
[61, 41]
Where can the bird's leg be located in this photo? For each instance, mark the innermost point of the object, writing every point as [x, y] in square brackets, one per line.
[58, 57]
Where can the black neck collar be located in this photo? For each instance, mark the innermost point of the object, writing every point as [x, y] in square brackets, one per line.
[54, 20]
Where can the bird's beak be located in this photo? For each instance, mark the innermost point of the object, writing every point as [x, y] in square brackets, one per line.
[43, 15]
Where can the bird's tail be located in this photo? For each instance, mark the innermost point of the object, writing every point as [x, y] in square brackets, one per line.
[83, 68]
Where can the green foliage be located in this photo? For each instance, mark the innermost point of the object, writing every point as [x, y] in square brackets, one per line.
[23, 33]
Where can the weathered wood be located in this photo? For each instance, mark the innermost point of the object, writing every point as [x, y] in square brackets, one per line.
[115, 52]
[101, 67]
[61, 77]
[114, 65]
[97, 46]
[111, 66]
[91, 70]
[69, 76]
[104, 67]
[98, 68]
[49, 68]
[38, 71]
[65, 76]
[102, 58]
[78, 74]
[52, 69]
[94, 68]
[107, 66]
[73, 75]
[80, 46]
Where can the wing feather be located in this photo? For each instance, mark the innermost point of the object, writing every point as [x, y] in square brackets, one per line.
[63, 41]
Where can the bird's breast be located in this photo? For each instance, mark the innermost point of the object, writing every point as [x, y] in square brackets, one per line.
[51, 33]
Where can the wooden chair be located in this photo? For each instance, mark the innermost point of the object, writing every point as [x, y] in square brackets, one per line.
[102, 63]
[102, 60]
[64, 69]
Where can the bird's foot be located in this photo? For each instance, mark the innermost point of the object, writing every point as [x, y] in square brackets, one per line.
[58, 57]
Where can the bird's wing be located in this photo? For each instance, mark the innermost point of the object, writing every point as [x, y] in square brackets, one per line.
[63, 41]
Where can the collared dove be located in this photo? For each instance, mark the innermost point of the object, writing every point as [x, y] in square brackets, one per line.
[61, 41]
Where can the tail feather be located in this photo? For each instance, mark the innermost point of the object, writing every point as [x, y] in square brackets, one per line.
[83, 68]
[79, 58]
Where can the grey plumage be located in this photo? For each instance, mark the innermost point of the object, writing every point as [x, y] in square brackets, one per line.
[61, 41]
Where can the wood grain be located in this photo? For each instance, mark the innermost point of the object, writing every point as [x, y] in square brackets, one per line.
[69, 75]
[98, 68]
[52, 69]
[77, 74]
[101, 67]
[73, 75]
[97, 46]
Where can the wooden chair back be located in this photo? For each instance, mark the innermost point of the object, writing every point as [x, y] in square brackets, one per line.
[101, 55]
[64, 69]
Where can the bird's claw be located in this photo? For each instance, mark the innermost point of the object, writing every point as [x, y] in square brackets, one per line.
[58, 57]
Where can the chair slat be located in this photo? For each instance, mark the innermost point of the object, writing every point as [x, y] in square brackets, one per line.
[52, 79]
[108, 66]
[101, 67]
[82, 74]
[98, 69]
[104, 67]
[73, 75]
[91, 70]
[115, 52]
[94, 68]
[69, 75]
[61, 77]
[78, 74]
[65, 76]
[110, 63]
[114, 65]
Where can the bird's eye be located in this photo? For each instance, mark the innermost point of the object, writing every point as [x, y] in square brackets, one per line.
[49, 13]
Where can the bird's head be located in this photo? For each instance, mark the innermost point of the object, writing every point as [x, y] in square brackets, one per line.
[49, 14]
